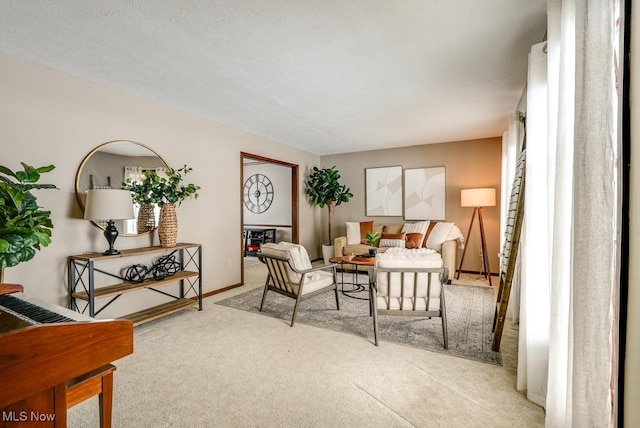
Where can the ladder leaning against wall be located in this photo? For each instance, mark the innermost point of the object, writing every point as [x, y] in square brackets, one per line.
[510, 250]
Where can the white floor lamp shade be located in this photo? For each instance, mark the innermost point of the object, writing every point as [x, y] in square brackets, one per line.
[484, 197]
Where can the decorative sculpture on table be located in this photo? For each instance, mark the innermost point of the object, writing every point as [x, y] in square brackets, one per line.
[136, 273]
[162, 268]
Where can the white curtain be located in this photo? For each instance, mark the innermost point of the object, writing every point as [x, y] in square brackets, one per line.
[569, 236]
[134, 173]
[511, 146]
[534, 244]
[161, 171]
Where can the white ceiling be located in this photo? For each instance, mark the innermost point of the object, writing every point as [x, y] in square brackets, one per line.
[325, 76]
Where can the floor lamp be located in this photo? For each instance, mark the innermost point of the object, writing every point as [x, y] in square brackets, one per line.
[477, 198]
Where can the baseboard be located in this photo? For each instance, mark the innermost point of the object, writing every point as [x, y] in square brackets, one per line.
[218, 291]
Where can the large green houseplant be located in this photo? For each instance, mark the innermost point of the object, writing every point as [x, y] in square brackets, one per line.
[167, 192]
[323, 188]
[24, 226]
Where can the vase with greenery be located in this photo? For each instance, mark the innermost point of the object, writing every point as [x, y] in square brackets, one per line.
[323, 188]
[167, 192]
[141, 192]
[24, 226]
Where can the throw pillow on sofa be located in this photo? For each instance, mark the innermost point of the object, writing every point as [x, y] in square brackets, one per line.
[414, 240]
[393, 240]
[393, 228]
[356, 231]
[418, 227]
[438, 235]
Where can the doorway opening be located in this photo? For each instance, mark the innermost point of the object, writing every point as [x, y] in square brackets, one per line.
[268, 203]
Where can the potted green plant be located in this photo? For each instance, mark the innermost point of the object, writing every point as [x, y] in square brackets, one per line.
[167, 192]
[372, 238]
[323, 188]
[24, 226]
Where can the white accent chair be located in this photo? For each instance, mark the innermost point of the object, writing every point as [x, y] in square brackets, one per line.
[291, 274]
[409, 283]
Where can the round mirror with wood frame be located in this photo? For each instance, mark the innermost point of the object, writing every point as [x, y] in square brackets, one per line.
[111, 163]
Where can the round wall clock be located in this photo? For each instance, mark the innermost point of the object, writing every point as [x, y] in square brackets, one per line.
[258, 193]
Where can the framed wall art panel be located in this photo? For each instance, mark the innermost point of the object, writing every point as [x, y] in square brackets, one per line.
[424, 193]
[383, 191]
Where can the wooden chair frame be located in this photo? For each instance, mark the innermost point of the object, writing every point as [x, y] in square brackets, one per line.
[411, 311]
[278, 281]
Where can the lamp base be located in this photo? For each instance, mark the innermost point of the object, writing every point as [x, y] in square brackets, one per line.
[111, 233]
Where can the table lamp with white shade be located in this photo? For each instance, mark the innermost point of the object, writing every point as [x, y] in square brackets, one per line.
[109, 205]
[477, 198]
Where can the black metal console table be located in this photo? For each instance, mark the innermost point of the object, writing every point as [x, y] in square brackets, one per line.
[82, 284]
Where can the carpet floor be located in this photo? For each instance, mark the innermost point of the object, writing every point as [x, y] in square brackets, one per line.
[224, 367]
[470, 312]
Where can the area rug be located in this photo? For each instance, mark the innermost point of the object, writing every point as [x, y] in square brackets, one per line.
[470, 312]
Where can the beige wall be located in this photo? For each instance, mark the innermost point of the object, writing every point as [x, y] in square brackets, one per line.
[467, 164]
[53, 118]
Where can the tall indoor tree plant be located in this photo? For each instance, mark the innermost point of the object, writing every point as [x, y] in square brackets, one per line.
[167, 192]
[24, 226]
[324, 189]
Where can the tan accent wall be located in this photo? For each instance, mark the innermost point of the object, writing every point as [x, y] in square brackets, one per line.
[468, 164]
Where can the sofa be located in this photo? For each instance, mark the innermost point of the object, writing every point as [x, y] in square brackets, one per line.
[442, 237]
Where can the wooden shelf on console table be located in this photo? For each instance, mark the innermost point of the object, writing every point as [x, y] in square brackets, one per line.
[159, 311]
[125, 287]
[82, 272]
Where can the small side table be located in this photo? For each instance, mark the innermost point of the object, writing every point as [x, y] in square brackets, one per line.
[356, 261]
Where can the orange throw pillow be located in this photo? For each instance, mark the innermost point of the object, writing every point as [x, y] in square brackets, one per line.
[365, 227]
[413, 240]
